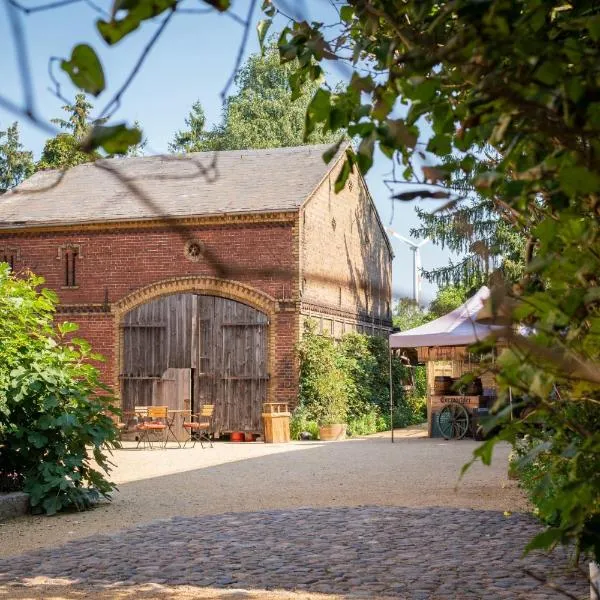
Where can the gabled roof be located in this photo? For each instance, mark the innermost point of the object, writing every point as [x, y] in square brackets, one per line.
[150, 187]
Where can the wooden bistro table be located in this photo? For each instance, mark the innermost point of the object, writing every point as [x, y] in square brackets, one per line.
[175, 418]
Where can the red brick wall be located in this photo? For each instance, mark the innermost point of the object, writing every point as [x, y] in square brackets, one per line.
[120, 261]
[98, 329]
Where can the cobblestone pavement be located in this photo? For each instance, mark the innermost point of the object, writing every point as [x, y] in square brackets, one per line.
[367, 552]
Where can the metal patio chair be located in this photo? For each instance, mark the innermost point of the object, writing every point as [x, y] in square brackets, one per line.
[152, 421]
[200, 426]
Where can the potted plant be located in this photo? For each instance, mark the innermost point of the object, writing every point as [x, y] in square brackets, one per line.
[332, 423]
[332, 404]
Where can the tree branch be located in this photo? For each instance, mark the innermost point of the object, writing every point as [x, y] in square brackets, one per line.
[241, 50]
[115, 102]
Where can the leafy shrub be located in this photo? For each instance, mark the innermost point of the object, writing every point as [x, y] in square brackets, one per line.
[357, 369]
[50, 405]
[410, 409]
[324, 382]
[534, 475]
[300, 422]
[370, 422]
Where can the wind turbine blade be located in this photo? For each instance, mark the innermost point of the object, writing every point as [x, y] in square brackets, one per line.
[422, 243]
[401, 237]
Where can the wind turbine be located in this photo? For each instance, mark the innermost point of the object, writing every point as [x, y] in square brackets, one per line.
[415, 247]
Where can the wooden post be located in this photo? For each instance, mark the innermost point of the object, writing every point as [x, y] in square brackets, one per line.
[391, 394]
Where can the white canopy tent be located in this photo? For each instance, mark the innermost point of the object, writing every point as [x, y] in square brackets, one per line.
[457, 328]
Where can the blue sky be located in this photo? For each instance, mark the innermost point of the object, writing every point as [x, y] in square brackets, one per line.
[192, 60]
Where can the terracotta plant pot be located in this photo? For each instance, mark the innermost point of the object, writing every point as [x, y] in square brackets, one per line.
[331, 433]
[236, 436]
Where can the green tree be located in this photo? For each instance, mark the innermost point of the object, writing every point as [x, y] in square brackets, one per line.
[16, 164]
[478, 227]
[195, 138]
[408, 314]
[523, 79]
[477, 230]
[446, 300]
[262, 113]
[65, 149]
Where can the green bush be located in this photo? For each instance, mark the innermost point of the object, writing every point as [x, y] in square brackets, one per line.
[410, 409]
[52, 403]
[300, 422]
[355, 372]
[325, 384]
[370, 422]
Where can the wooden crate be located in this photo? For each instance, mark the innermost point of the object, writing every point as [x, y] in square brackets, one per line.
[276, 420]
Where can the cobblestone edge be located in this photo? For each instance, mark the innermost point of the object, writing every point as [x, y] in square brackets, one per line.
[13, 505]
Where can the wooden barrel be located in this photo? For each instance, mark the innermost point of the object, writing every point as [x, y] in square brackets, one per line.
[442, 385]
[475, 388]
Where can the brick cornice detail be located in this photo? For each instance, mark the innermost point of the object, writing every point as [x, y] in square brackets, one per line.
[159, 223]
[308, 308]
[65, 309]
[212, 286]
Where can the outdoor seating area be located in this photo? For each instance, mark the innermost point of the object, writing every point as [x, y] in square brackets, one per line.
[160, 427]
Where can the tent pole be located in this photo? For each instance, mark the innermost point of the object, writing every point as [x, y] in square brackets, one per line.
[391, 397]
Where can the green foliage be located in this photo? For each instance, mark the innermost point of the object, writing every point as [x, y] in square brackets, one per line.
[52, 403]
[365, 360]
[446, 300]
[300, 422]
[520, 80]
[476, 226]
[357, 368]
[16, 164]
[533, 470]
[62, 152]
[407, 314]
[369, 422]
[324, 384]
[65, 149]
[262, 113]
[87, 140]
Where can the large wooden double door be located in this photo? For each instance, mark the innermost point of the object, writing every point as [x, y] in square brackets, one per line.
[186, 350]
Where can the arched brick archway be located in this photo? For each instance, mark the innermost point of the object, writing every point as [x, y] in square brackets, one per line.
[209, 287]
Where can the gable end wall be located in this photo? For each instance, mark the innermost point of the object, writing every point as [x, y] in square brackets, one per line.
[345, 259]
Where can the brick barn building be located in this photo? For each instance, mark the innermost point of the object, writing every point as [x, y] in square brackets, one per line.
[192, 274]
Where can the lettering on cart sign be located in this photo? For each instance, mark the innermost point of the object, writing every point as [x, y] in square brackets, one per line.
[457, 399]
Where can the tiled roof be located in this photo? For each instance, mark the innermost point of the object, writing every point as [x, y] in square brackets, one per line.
[197, 184]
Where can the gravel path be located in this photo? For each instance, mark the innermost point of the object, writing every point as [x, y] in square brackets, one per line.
[156, 484]
[237, 516]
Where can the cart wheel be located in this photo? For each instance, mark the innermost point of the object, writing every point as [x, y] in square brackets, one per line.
[453, 421]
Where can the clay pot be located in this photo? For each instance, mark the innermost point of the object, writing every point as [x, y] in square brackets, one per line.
[331, 433]
[237, 436]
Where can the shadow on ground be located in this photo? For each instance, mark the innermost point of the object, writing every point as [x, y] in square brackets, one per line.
[369, 552]
[234, 478]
